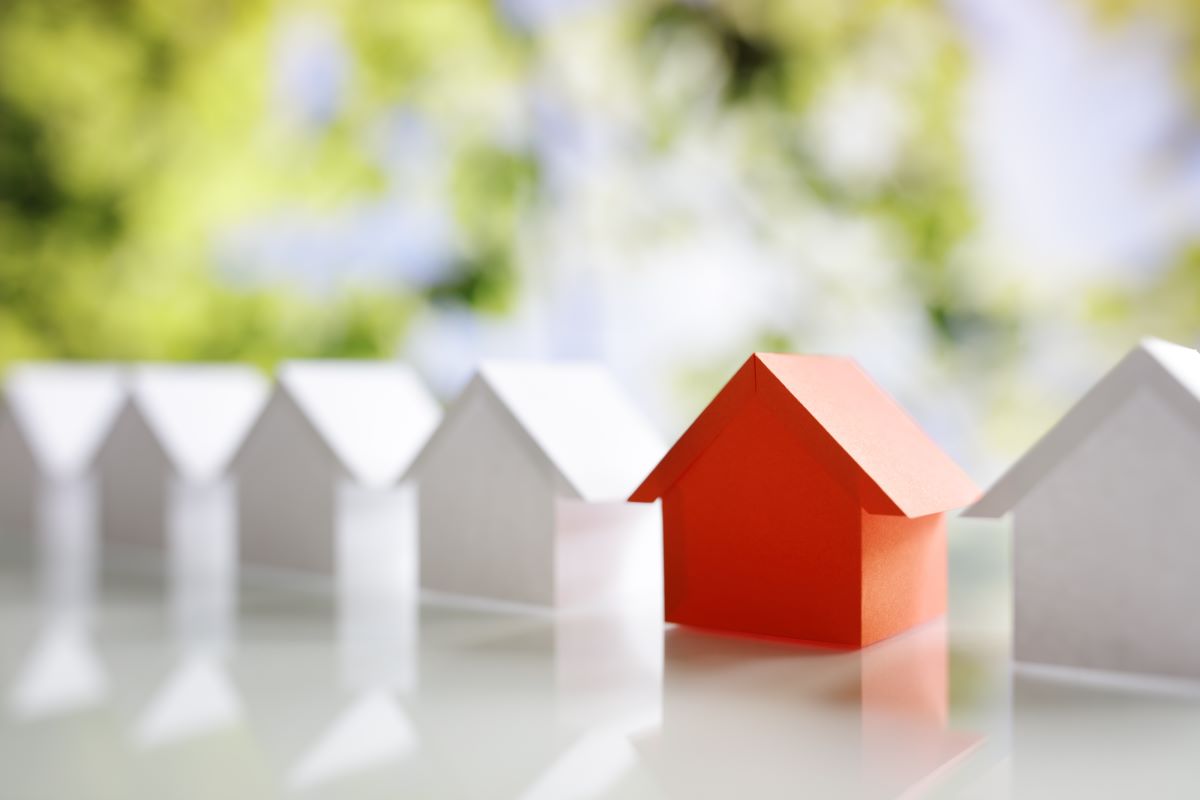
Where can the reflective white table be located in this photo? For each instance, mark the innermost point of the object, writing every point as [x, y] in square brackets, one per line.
[136, 689]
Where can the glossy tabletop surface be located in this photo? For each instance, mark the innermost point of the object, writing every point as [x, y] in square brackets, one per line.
[136, 689]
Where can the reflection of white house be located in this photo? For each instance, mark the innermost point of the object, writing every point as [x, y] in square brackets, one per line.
[62, 675]
[1105, 543]
[164, 467]
[320, 469]
[377, 655]
[374, 730]
[197, 698]
[522, 488]
[58, 416]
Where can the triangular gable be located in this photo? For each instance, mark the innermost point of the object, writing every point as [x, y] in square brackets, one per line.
[64, 411]
[374, 416]
[582, 421]
[834, 406]
[199, 414]
[1169, 369]
[576, 417]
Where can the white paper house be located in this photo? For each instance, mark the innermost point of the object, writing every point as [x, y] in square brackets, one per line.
[522, 489]
[1106, 537]
[164, 468]
[58, 415]
[320, 471]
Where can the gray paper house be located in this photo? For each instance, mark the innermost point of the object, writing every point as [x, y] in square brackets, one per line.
[56, 416]
[320, 470]
[521, 490]
[1106, 534]
[164, 475]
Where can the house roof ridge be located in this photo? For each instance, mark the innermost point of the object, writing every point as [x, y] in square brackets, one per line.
[547, 404]
[371, 456]
[1155, 363]
[865, 422]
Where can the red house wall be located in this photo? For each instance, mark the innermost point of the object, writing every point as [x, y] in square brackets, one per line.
[760, 538]
[904, 573]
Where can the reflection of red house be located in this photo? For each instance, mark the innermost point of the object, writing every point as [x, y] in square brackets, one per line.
[805, 503]
[745, 718]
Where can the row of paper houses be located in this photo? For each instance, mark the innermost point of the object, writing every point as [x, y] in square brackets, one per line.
[802, 503]
[330, 454]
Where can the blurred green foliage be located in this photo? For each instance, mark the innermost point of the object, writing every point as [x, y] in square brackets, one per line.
[1182, 17]
[133, 133]
[780, 56]
[1169, 306]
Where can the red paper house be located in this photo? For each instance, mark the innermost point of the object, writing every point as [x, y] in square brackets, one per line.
[805, 503]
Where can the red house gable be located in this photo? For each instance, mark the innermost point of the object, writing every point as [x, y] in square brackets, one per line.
[805, 503]
[831, 402]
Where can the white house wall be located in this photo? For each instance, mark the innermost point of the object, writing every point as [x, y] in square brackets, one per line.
[201, 534]
[608, 651]
[377, 586]
[67, 536]
[1106, 548]
[608, 553]
[286, 493]
[133, 480]
[486, 510]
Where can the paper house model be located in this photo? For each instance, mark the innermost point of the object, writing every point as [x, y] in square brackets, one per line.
[57, 417]
[1104, 525]
[805, 503]
[521, 489]
[321, 467]
[164, 469]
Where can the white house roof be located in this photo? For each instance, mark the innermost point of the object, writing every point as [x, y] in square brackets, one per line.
[579, 419]
[199, 413]
[64, 411]
[1183, 363]
[1169, 369]
[373, 415]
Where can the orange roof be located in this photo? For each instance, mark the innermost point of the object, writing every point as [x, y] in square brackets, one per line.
[898, 468]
